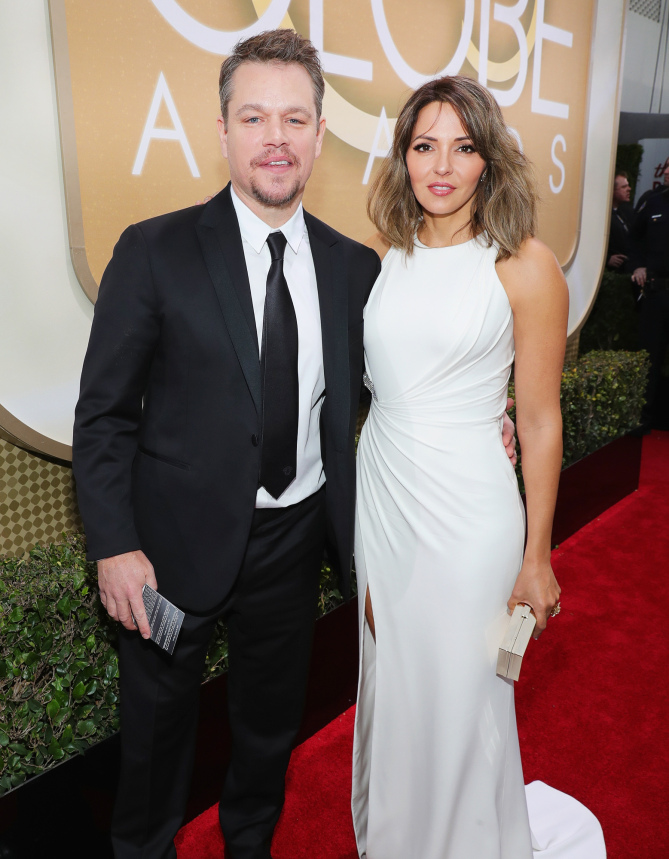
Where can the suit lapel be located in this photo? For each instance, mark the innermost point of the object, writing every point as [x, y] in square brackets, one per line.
[221, 243]
[333, 301]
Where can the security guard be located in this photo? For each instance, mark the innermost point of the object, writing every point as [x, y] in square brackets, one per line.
[650, 237]
[656, 188]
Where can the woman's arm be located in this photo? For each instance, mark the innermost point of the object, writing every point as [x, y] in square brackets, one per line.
[539, 300]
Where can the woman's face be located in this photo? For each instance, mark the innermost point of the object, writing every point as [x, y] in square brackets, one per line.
[443, 165]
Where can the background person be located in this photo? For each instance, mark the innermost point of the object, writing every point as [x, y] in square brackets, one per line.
[622, 219]
[649, 193]
[650, 238]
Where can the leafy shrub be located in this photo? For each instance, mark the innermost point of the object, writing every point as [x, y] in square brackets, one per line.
[614, 321]
[58, 662]
[601, 398]
[602, 395]
[58, 666]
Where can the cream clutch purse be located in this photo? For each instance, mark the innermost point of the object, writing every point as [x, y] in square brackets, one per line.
[517, 637]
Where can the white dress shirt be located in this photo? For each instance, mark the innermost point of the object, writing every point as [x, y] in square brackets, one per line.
[300, 274]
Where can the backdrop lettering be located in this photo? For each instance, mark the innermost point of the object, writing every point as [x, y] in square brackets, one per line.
[144, 86]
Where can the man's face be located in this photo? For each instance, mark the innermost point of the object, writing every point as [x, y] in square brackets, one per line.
[272, 137]
[621, 190]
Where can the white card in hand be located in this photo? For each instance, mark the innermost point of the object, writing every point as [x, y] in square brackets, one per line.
[164, 618]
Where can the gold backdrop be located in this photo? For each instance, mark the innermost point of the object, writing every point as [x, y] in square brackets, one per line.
[126, 55]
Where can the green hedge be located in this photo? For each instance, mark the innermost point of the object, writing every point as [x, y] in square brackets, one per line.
[58, 665]
[602, 395]
[614, 320]
[58, 662]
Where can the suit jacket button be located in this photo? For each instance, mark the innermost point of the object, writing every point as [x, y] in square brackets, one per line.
[255, 441]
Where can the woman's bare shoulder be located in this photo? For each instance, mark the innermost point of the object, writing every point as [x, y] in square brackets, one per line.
[534, 267]
[379, 243]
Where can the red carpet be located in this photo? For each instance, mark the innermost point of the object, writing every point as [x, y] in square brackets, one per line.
[592, 700]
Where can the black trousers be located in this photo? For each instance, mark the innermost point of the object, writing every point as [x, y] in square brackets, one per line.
[654, 338]
[270, 615]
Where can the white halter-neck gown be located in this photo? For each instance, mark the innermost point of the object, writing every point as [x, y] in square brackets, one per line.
[439, 539]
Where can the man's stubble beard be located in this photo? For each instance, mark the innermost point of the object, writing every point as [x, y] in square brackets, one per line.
[266, 199]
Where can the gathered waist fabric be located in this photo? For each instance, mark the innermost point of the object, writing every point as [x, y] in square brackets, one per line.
[428, 415]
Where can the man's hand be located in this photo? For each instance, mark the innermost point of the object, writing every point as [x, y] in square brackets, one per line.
[639, 276]
[121, 579]
[616, 260]
[508, 434]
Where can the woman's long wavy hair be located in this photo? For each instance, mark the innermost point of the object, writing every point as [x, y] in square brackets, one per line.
[504, 207]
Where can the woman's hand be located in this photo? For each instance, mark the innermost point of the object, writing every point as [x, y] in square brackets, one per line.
[509, 433]
[537, 587]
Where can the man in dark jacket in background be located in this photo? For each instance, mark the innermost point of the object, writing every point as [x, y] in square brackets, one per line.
[650, 266]
[664, 172]
[622, 219]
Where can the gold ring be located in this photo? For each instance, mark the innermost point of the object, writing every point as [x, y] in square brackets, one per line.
[557, 608]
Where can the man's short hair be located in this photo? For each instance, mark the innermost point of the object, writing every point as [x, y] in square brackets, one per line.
[272, 46]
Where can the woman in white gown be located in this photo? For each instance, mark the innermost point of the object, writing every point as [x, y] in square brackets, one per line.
[465, 291]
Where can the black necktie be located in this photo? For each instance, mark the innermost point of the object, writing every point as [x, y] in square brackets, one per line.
[280, 409]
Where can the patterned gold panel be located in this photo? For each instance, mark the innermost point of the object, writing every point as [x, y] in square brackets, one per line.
[37, 500]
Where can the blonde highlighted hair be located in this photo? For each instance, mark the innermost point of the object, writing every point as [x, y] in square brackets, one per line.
[504, 207]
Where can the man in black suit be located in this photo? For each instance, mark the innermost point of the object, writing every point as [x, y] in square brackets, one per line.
[219, 390]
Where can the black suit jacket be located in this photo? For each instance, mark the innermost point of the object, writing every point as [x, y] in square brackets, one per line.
[622, 221]
[165, 450]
